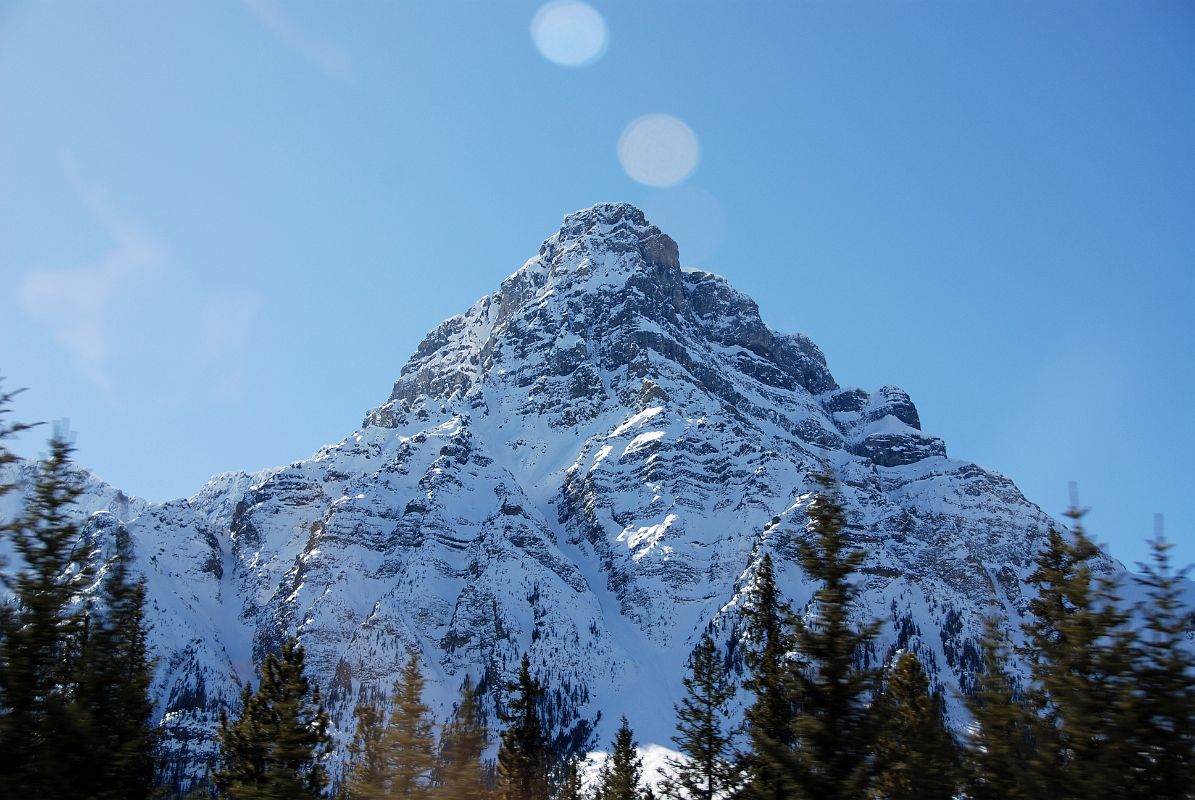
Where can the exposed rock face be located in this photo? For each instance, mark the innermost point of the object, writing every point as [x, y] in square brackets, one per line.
[586, 465]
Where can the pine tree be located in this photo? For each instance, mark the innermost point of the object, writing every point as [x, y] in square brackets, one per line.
[114, 687]
[707, 771]
[460, 772]
[244, 745]
[41, 636]
[831, 694]
[366, 770]
[1080, 655]
[915, 755]
[622, 772]
[768, 721]
[8, 621]
[523, 753]
[1000, 748]
[393, 760]
[72, 671]
[275, 751]
[409, 742]
[1164, 680]
[7, 431]
[570, 784]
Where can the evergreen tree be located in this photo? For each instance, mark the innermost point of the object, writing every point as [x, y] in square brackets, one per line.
[394, 760]
[915, 755]
[768, 721]
[8, 621]
[623, 770]
[1079, 652]
[75, 712]
[366, 771]
[1000, 748]
[41, 635]
[1164, 679]
[831, 693]
[707, 771]
[7, 431]
[243, 746]
[115, 679]
[460, 772]
[275, 751]
[409, 742]
[523, 753]
[570, 784]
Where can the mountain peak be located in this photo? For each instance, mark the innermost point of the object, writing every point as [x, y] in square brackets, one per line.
[601, 312]
[616, 228]
[586, 466]
[605, 214]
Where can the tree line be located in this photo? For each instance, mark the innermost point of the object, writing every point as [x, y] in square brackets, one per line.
[1106, 707]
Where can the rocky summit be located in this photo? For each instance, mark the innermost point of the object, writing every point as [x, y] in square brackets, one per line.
[587, 465]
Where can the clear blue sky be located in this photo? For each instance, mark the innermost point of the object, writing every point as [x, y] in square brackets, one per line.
[224, 225]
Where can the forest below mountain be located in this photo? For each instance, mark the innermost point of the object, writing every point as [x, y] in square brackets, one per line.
[1106, 708]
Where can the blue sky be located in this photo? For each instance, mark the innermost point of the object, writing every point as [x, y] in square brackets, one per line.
[224, 225]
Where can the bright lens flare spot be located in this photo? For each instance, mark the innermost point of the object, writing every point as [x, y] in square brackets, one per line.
[569, 33]
[658, 150]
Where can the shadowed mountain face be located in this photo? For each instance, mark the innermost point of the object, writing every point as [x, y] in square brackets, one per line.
[587, 465]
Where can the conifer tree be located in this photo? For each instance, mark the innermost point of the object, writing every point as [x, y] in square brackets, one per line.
[409, 742]
[1080, 655]
[8, 622]
[915, 755]
[460, 771]
[114, 687]
[768, 721]
[75, 712]
[1164, 680]
[243, 746]
[523, 753]
[570, 784]
[7, 431]
[707, 771]
[394, 759]
[831, 727]
[1000, 748]
[623, 770]
[276, 750]
[41, 636]
[366, 771]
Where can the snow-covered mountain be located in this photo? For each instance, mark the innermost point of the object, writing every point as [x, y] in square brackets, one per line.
[586, 465]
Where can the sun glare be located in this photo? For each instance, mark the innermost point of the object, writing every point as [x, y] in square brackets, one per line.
[569, 33]
[658, 150]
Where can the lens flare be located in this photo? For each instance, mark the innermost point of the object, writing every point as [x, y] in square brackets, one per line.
[658, 150]
[569, 33]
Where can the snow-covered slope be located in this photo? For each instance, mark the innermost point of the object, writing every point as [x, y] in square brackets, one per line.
[587, 465]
